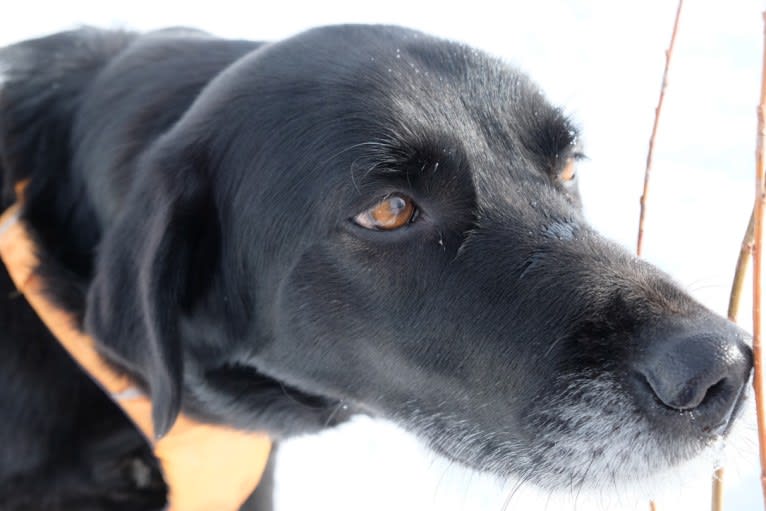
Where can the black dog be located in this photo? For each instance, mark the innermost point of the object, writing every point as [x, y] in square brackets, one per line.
[358, 219]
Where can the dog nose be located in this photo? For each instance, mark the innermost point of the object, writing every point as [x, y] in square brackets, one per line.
[704, 371]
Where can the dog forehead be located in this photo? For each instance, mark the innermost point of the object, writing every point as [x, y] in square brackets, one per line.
[449, 95]
[510, 141]
[356, 97]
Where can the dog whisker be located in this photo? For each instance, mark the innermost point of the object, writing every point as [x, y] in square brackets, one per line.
[522, 480]
[553, 345]
[584, 478]
[334, 412]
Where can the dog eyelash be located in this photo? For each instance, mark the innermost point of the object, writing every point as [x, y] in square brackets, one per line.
[579, 156]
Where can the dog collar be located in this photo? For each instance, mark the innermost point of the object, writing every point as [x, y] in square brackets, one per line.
[207, 467]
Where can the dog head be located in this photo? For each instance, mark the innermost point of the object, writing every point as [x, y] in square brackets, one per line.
[367, 219]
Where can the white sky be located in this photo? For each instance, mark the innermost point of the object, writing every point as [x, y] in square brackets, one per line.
[602, 60]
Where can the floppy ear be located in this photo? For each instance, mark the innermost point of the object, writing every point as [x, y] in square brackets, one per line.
[143, 279]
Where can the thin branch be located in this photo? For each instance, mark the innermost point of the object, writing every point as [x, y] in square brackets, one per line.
[717, 497]
[650, 153]
[760, 201]
[657, 111]
[737, 284]
[739, 274]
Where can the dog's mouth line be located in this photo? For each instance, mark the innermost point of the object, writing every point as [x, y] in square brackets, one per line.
[250, 376]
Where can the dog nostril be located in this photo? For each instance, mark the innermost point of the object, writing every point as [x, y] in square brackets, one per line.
[685, 369]
[686, 395]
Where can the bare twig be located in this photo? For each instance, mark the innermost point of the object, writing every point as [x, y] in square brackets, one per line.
[737, 284]
[760, 201]
[650, 152]
[657, 111]
[739, 274]
[717, 497]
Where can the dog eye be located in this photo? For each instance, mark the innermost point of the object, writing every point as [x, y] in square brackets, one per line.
[391, 213]
[569, 172]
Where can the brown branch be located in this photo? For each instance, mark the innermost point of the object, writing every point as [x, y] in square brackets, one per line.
[650, 152]
[751, 244]
[737, 284]
[717, 496]
[739, 274]
[760, 201]
[657, 111]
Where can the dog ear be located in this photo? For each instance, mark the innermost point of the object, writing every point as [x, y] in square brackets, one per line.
[143, 278]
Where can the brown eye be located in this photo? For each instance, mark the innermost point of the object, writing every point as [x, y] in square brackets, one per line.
[569, 172]
[393, 212]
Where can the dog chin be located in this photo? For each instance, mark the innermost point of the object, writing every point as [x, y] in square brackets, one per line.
[409, 475]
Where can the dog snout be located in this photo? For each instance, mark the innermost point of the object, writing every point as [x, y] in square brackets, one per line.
[703, 371]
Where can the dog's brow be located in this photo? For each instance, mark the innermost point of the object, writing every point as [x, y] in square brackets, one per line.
[395, 169]
[384, 160]
[371, 143]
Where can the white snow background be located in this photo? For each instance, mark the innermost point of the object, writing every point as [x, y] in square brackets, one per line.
[602, 61]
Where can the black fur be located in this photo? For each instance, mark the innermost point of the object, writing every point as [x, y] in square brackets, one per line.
[65, 444]
[194, 197]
